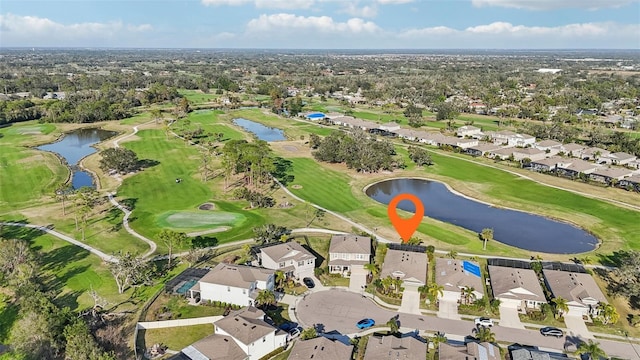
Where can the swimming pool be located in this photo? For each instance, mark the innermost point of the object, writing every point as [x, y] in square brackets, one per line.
[186, 286]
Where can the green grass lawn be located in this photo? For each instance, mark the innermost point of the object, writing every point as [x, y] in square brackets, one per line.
[327, 188]
[176, 338]
[197, 97]
[198, 219]
[26, 174]
[8, 315]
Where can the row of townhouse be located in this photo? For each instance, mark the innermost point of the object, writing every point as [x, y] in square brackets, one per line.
[574, 167]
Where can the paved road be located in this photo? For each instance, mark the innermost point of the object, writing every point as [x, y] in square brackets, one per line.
[125, 223]
[340, 310]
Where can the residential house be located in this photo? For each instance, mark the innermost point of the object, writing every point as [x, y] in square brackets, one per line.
[500, 137]
[233, 284]
[547, 164]
[520, 352]
[577, 167]
[248, 329]
[409, 266]
[393, 348]
[290, 258]
[550, 147]
[632, 182]
[608, 174]
[516, 288]
[347, 252]
[408, 134]
[572, 150]
[341, 120]
[470, 351]
[521, 140]
[580, 290]
[454, 276]
[431, 138]
[389, 127]
[618, 158]
[482, 149]
[320, 348]
[594, 154]
[520, 154]
[502, 153]
[465, 143]
[468, 130]
[215, 347]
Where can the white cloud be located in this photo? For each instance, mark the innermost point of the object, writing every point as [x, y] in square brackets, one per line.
[588, 29]
[430, 31]
[366, 11]
[553, 4]
[16, 30]
[271, 4]
[324, 24]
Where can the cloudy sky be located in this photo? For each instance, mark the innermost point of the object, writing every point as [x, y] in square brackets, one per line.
[334, 24]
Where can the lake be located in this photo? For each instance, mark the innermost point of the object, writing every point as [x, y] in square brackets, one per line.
[74, 146]
[515, 228]
[260, 131]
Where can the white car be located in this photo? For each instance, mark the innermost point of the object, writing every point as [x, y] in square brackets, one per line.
[295, 332]
[483, 321]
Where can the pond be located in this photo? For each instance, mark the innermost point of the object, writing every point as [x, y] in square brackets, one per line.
[515, 228]
[260, 131]
[74, 146]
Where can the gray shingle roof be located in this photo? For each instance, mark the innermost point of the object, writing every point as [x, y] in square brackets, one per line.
[320, 348]
[405, 265]
[393, 348]
[236, 275]
[245, 325]
[214, 347]
[513, 283]
[573, 287]
[287, 251]
[350, 244]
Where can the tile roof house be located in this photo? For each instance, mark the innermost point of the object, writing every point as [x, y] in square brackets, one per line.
[393, 348]
[233, 284]
[251, 333]
[411, 267]
[632, 182]
[452, 276]
[468, 130]
[501, 153]
[594, 153]
[607, 174]
[390, 127]
[215, 347]
[469, 351]
[482, 148]
[547, 164]
[290, 258]
[618, 158]
[347, 251]
[517, 288]
[580, 290]
[551, 147]
[528, 153]
[320, 348]
[572, 149]
[577, 166]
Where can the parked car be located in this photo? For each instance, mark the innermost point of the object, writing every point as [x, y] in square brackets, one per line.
[365, 323]
[483, 321]
[551, 331]
[287, 326]
[308, 282]
[295, 332]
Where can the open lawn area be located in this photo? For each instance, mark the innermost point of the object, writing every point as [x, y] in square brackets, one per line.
[176, 338]
[198, 97]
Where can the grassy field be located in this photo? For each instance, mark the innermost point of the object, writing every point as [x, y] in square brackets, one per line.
[176, 338]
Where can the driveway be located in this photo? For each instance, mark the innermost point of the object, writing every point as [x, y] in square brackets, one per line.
[448, 309]
[410, 300]
[576, 326]
[339, 310]
[509, 317]
[358, 279]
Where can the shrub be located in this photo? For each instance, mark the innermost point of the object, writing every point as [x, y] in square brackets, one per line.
[273, 353]
[634, 320]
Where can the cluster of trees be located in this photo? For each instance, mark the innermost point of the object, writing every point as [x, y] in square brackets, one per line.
[269, 233]
[119, 159]
[42, 330]
[251, 159]
[19, 110]
[358, 151]
[255, 198]
[419, 156]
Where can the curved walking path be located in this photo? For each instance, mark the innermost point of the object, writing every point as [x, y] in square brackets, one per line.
[125, 222]
[64, 237]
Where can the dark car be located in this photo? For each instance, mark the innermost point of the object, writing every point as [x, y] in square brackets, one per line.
[551, 331]
[365, 323]
[309, 282]
[287, 326]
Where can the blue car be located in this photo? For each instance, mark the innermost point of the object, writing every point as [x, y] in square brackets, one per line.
[365, 323]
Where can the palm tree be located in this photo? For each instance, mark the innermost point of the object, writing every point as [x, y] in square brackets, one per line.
[486, 235]
[393, 325]
[592, 348]
[397, 283]
[386, 284]
[484, 334]
[265, 297]
[437, 339]
[468, 293]
[280, 278]
[435, 290]
[608, 313]
[452, 254]
[372, 268]
[560, 305]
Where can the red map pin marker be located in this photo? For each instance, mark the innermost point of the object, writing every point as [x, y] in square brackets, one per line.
[405, 227]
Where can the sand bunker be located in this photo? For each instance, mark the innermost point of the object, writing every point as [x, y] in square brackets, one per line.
[290, 148]
[296, 186]
[207, 206]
